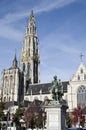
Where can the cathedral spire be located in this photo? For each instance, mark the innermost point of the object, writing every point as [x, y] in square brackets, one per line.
[31, 15]
[15, 62]
[31, 27]
[29, 62]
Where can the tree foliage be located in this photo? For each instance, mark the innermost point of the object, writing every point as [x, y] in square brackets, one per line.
[68, 120]
[78, 116]
[2, 115]
[33, 116]
[1, 111]
[18, 115]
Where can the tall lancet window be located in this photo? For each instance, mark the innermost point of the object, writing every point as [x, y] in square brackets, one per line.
[28, 69]
[81, 96]
[23, 67]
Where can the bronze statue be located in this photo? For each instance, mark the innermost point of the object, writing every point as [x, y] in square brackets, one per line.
[57, 89]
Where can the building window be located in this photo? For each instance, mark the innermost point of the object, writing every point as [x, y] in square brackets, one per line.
[78, 77]
[29, 41]
[81, 96]
[4, 99]
[81, 71]
[23, 67]
[28, 70]
[84, 76]
[29, 51]
[9, 98]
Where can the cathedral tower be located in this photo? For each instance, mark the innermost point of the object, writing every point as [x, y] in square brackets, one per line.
[12, 83]
[29, 62]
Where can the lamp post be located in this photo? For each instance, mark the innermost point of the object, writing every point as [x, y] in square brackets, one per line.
[43, 116]
[79, 121]
[8, 118]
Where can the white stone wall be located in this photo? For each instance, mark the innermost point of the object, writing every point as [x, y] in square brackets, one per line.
[74, 84]
[10, 85]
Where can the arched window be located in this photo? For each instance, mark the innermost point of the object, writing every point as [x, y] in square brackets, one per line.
[28, 70]
[29, 41]
[84, 76]
[11, 83]
[81, 96]
[23, 67]
[81, 71]
[9, 98]
[4, 99]
[78, 77]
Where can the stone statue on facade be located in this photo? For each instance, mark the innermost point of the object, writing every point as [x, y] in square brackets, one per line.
[57, 89]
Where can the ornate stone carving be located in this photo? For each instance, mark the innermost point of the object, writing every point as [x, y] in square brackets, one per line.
[25, 55]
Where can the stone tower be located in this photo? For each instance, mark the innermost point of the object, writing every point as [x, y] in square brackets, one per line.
[29, 62]
[12, 83]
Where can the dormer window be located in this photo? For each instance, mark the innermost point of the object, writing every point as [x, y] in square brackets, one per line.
[81, 71]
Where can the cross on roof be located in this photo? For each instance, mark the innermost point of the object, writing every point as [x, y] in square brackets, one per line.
[81, 56]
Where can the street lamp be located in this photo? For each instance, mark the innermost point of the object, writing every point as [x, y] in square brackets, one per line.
[43, 116]
[8, 118]
[79, 121]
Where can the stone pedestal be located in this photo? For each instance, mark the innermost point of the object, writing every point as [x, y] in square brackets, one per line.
[56, 114]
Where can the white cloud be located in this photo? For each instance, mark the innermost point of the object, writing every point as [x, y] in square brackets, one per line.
[62, 73]
[63, 42]
[10, 33]
[50, 5]
[42, 7]
[61, 55]
[7, 31]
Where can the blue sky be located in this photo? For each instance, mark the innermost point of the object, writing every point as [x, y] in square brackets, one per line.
[61, 26]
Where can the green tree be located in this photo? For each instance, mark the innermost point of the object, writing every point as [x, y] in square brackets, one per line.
[1, 112]
[17, 116]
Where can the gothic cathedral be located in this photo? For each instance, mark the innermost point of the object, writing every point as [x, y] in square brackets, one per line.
[23, 82]
[16, 79]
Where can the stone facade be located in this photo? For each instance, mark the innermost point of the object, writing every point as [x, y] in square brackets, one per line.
[23, 82]
[77, 88]
[30, 62]
[12, 84]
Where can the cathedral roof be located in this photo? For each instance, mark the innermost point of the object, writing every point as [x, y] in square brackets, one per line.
[44, 88]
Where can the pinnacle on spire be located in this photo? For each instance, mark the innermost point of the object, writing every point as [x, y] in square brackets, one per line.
[31, 15]
[15, 62]
[31, 26]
